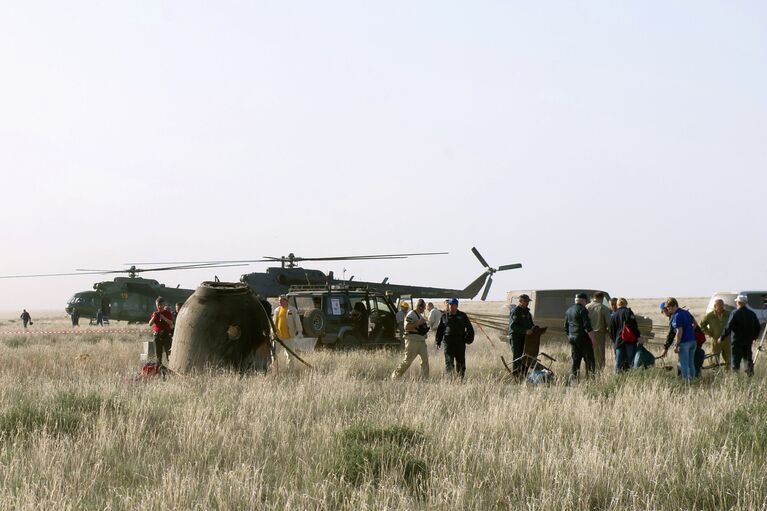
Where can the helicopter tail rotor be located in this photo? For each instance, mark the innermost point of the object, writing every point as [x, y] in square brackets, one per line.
[489, 270]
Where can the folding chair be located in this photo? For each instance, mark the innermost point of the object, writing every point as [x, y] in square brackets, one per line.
[529, 365]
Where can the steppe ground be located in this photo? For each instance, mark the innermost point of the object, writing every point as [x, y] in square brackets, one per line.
[78, 432]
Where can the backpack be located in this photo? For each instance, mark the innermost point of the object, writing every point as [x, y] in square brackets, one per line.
[643, 358]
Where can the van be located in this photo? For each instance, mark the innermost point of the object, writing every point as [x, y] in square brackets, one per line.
[757, 302]
[548, 307]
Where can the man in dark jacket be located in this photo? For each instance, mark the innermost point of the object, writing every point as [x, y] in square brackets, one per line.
[26, 318]
[520, 324]
[625, 349]
[456, 330]
[580, 334]
[744, 327]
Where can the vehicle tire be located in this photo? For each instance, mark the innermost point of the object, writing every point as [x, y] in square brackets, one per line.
[314, 323]
[348, 342]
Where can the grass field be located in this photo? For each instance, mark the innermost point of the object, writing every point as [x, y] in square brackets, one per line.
[78, 433]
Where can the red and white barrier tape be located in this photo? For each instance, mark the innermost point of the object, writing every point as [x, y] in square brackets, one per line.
[76, 331]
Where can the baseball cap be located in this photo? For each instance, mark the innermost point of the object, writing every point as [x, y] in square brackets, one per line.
[525, 297]
[452, 301]
[405, 305]
[662, 306]
[742, 299]
[581, 296]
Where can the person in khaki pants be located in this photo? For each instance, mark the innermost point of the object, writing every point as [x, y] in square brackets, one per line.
[415, 341]
[599, 314]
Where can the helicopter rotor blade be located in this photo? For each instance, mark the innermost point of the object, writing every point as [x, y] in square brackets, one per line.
[209, 263]
[185, 267]
[272, 259]
[363, 257]
[133, 269]
[48, 275]
[487, 287]
[479, 256]
[509, 266]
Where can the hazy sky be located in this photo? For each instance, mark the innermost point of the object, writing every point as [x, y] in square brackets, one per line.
[614, 145]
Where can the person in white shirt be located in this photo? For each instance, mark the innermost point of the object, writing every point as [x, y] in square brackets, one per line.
[415, 341]
[433, 315]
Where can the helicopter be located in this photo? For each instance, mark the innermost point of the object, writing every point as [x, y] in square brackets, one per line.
[277, 280]
[130, 298]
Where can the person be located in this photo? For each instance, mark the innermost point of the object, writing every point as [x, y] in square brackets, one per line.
[580, 334]
[613, 305]
[599, 315]
[25, 318]
[175, 317]
[75, 316]
[520, 325]
[744, 326]
[404, 307]
[624, 345]
[433, 316]
[456, 331]
[360, 320]
[684, 338]
[700, 355]
[99, 318]
[671, 335]
[288, 326]
[713, 325]
[161, 322]
[416, 327]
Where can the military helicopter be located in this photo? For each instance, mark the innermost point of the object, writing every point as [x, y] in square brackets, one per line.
[130, 298]
[276, 281]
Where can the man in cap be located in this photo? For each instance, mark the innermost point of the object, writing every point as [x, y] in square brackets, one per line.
[713, 325]
[161, 322]
[456, 331]
[288, 325]
[744, 327]
[520, 325]
[416, 328]
[580, 334]
[404, 308]
[599, 314]
[671, 335]
[684, 338]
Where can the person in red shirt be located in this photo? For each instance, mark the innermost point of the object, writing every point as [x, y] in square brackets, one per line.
[161, 322]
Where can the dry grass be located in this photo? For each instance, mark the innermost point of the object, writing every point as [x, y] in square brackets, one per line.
[76, 433]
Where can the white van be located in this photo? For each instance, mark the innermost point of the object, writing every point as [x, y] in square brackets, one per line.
[757, 302]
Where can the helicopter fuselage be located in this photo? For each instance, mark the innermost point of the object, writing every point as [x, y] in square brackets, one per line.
[125, 299]
[276, 281]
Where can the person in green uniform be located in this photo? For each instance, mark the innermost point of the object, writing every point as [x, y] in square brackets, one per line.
[713, 324]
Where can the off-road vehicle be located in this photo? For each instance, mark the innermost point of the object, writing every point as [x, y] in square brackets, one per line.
[346, 317]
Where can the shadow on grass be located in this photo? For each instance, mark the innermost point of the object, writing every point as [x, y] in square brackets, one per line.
[63, 414]
[367, 453]
[744, 428]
